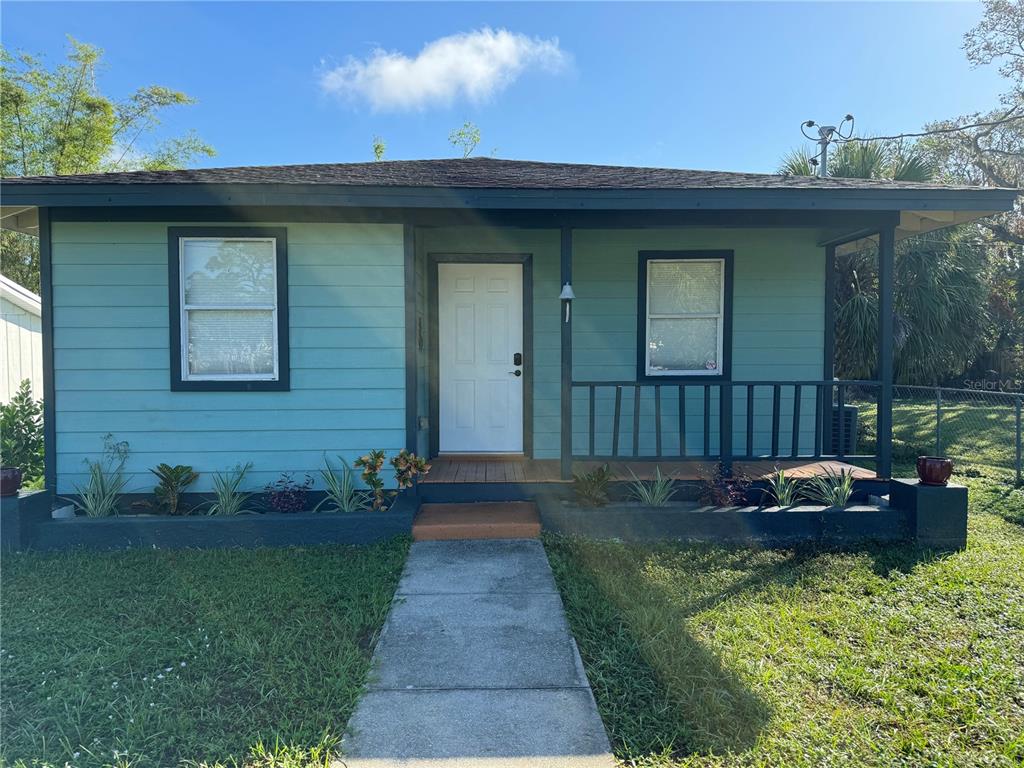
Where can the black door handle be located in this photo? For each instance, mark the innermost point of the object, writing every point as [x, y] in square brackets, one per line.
[516, 372]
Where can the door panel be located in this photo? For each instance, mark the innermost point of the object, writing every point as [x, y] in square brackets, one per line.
[480, 329]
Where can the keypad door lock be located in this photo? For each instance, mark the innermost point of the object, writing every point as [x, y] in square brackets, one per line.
[517, 358]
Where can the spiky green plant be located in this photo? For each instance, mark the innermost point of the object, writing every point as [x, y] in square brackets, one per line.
[101, 495]
[341, 489]
[797, 163]
[591, 488]
[652, 493]
[229, 500]
[833, 489]
[782, 488]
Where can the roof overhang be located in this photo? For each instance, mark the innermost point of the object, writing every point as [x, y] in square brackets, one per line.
[20, 296]
[918, 210]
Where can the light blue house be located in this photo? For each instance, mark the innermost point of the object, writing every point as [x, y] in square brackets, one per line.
[527, 314]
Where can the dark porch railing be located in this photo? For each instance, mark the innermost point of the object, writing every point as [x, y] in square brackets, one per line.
[723, 421]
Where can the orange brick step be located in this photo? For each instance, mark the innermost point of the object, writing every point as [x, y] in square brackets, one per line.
[480, 520]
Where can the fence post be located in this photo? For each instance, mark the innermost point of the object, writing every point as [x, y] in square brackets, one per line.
[938, 421]
[1017, 402]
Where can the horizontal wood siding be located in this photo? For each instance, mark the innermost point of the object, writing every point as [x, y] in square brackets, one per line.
[778, 330]
[778, 334]
[111, 357]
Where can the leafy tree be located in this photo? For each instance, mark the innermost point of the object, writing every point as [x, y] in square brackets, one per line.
[957, 297]
[940, 278]
[55, 120]
[465, 138]
[894, 160]
[940, 307]
[988, 147]
[379, 148]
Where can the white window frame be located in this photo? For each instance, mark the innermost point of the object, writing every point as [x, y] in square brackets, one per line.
[719, 316]
[183, 316]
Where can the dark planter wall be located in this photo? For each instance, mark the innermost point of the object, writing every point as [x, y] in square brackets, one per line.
[19, 515]
[201, 532]
[732, 524]
[277, 530]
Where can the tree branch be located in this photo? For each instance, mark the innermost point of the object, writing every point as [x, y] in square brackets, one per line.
[1001, 233]
[1005, 120]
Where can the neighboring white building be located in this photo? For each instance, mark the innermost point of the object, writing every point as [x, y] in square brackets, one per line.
[21, 339]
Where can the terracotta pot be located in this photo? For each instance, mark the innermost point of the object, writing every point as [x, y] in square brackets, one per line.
[10, 481]
[934, 470]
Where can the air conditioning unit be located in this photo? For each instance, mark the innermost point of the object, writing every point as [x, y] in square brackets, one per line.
[849, 417]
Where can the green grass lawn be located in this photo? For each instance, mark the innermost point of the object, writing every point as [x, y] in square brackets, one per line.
[711, 656]
[151, 658]
[977, 433]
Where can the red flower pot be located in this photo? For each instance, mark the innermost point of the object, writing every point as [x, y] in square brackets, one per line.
[10, 481]
[934, 470]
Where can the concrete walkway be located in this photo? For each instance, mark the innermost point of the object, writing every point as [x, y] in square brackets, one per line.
[476, 668]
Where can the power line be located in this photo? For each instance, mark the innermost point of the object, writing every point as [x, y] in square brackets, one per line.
[938, 131]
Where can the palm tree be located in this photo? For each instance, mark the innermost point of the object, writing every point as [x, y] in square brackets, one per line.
[940, 293]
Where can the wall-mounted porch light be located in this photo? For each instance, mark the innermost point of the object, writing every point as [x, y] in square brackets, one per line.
[567, 296]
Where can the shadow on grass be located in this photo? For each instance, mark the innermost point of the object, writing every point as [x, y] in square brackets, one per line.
[889, 558]
[660, 691]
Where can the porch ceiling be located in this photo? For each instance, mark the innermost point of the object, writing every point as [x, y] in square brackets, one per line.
[20, 218]
[913, 223]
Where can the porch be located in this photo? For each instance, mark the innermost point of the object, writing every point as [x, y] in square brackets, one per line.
[586, 386]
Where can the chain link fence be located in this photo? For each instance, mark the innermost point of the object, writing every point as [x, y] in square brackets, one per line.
[972, 426]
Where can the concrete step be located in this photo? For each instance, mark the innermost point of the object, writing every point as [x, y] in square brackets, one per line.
[480, 520]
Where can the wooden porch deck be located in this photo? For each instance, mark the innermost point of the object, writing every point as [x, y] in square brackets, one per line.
[512, 469]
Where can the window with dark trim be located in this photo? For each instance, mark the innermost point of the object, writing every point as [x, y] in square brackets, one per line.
[228, 291]
[684, 323]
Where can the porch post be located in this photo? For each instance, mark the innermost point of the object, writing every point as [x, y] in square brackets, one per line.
[886, 256]
[828, 365]
[566, 322]
[411, 351]
[49, 383]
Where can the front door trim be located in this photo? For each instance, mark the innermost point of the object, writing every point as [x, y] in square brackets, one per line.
[433, 259]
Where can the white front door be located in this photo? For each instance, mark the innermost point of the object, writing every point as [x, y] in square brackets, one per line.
[480, 332]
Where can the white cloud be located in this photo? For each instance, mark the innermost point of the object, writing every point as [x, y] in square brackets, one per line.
[471, 65]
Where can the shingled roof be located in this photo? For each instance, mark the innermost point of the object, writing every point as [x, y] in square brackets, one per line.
[480, 173]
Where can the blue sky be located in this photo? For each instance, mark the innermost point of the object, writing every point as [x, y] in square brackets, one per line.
[696, 85]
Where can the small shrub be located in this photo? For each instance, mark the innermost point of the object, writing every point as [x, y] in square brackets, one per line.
[371, 464]
[591, 488]
[833, 489]
[229, 500]
[287, 495]
[717, 490]
[783, 489]
[21, 434]
[653, 493]
[341, 489]
[408, 467]
[100, 496]
[172, 481]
